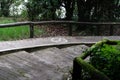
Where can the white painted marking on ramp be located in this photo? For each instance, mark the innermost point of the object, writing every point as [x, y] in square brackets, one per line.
[56, 40]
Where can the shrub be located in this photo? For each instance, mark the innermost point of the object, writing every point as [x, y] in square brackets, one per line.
[106, 58]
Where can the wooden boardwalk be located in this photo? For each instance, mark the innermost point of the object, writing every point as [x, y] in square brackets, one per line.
[46, 64]
[42, 64]
[51, 41]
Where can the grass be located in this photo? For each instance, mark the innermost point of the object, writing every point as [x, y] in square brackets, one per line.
[14, 33]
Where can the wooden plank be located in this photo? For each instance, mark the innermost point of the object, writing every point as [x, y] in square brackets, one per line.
[42, 70]
[54, 56]
[75, 22]
[8, 69]
[19, 67]
[56, 22]
[14, 24]
[75, 50]
[51, 41]
[27, 67]
[5, 75]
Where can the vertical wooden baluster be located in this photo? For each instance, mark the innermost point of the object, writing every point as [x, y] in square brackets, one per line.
[31, 30]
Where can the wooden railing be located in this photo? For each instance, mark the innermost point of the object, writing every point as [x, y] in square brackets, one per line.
[32, 24]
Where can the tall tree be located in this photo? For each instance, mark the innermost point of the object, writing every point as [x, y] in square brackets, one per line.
[69, 6]
[43, 9]
[88, 10]
[5, 6]
[97, 10]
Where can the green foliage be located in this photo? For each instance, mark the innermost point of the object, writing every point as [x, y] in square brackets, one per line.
[42, 9]
[4, 7]
[24, 14]
[82, 10]
[98, 10]
[15, 33]
[15, 9]
[107, 59]
[33, 8]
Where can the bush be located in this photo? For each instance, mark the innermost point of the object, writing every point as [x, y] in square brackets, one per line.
[106, 58]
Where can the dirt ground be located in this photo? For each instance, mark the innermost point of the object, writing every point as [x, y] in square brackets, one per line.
[63, 30]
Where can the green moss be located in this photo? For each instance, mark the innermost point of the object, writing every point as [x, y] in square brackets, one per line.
[104, 61]
[107, 59]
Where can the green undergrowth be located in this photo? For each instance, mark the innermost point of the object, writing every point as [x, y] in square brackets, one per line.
[12, 33]
[106, 58]
[15, 33]
[4, 20]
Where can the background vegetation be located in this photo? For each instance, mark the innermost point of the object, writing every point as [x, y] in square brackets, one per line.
[85, 10]
[77, 10]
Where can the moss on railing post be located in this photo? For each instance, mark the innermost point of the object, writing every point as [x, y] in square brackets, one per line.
[79, 63]
[77, 70]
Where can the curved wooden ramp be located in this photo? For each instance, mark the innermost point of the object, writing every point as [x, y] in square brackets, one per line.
[42, 64]
[46, 64]
[52, 41]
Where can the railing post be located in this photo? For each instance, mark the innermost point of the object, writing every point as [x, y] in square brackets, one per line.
[98, 30]
[31, 30]
[111, 30]
[77, 70]
[70, 30]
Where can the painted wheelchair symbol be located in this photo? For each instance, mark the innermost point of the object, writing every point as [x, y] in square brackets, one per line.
[58, 39]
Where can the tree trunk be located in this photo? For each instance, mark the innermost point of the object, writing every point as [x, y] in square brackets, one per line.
[69, 6]
[81, 10]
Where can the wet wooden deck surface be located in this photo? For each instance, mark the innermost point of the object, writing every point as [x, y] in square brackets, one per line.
[24, 66]
[46, 64]
[51, 41]
[43, 64]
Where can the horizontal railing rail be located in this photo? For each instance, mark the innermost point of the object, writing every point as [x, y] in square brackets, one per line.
[57, 22]
[32, 24]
